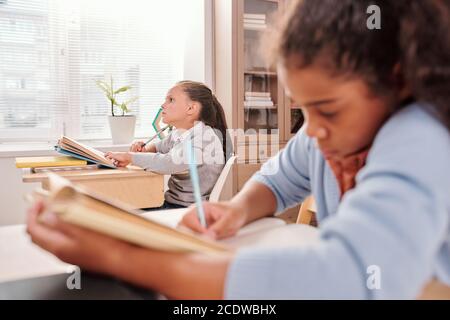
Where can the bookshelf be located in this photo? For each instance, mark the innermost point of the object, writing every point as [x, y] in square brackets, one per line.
[260, 106]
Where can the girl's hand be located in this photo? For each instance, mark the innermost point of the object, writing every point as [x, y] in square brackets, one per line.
[138, 146]
[223, 219]
[120, 159]
[89, 250]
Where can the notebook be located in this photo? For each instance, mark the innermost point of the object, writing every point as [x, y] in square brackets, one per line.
[70, 147]
[39, 162]
[86, 209]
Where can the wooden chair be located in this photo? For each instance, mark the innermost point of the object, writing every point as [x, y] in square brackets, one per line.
[307, 213]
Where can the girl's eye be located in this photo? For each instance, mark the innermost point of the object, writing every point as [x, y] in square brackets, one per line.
[328, 115]
[171, 99]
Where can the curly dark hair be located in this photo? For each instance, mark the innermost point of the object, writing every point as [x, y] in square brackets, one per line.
[414, 35]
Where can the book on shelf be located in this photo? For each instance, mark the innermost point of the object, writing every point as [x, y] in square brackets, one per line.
[254, 21]
[250, 98]
[71, 147]
[250, 104]
[254, 26]
[255, 16]
[86, 209]
[52, 161]
[257, 94]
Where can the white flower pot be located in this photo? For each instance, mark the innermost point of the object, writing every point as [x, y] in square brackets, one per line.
[122, 128]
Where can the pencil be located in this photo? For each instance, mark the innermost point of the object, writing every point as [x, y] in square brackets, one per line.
[153, 137]
[195, 182]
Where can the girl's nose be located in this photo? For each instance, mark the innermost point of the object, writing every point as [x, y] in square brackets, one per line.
[314, 130]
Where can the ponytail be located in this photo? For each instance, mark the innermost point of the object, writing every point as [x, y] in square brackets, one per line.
[211, 113]
[221, 125]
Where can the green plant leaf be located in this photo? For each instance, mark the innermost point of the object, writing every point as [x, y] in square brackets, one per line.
[123, 89]
[124, 107]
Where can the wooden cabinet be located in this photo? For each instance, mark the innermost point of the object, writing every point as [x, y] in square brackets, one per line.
[260, 95]
[262, 105]
[254, 98]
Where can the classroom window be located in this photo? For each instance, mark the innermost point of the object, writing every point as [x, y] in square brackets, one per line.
[52, 51]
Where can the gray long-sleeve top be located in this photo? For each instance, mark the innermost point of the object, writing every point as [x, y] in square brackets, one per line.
[171, 158]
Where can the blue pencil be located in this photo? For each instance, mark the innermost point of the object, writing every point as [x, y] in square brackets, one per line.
[195, 182]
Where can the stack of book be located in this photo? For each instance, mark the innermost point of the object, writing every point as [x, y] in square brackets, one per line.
[58, 163]
[254, 21]
[258, 100]
[76, 149]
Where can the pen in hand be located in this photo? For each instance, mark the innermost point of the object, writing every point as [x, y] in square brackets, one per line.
[154, 136]
[195, 182]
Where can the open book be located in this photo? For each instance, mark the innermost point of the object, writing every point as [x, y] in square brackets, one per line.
[157, 230]
[78, 150]
[84, 208]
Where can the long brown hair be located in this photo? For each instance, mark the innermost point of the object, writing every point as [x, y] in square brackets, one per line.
[211, 113]
[414, 35]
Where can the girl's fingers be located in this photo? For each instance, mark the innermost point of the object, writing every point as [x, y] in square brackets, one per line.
[221, 228]
[51, 220]
[191, 221]
[42, 235]
[38, 217]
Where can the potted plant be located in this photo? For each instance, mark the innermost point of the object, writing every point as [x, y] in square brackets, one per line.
[122, 126]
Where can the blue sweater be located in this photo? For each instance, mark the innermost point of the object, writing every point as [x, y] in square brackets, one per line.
[395, 224]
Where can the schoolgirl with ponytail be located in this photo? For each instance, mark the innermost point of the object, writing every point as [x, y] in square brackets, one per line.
[196, 114]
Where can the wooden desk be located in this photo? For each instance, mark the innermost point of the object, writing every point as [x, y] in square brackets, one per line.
[132, 185]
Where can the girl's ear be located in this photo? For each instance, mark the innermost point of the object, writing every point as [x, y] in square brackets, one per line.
[194, 109]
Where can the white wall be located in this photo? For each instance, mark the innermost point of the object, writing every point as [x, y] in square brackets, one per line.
[12, 191]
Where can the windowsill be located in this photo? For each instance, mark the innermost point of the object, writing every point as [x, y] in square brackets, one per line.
[12, 150]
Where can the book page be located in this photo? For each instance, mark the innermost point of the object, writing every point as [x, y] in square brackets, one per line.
[265, 232]
[77, 147]
[281, 236]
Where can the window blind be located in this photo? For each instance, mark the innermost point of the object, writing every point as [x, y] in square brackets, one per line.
[53, 51]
